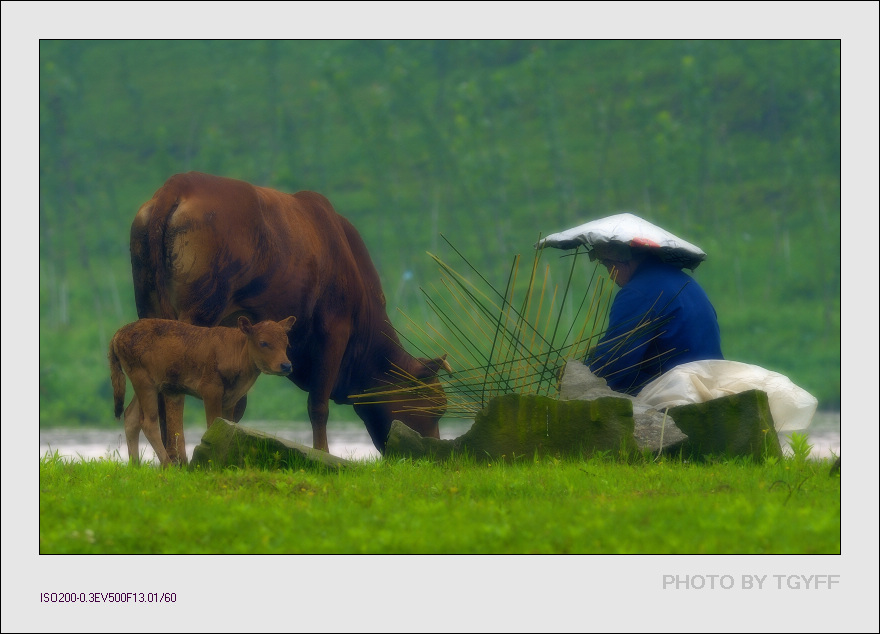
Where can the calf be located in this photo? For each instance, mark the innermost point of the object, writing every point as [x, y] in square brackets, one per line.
[218, 365]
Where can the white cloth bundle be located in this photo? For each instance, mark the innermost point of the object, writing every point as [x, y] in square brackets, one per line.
[792, 407]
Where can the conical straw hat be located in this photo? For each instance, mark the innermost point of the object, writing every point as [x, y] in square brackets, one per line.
[629, 230]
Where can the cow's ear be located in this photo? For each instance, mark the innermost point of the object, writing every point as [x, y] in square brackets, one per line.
[428, 368]
[244, 324]
[288, 323]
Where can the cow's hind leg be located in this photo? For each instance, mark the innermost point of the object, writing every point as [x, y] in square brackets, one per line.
[238, 412]
[212, 397]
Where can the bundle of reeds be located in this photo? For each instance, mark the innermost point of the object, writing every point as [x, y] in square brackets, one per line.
[498, 342]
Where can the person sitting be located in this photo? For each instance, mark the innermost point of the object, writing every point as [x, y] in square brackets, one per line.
[660, 318]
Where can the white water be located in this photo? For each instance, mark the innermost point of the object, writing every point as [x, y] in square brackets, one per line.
[347, 440]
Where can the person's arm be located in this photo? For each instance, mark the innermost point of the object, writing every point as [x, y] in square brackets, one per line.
[623, 348]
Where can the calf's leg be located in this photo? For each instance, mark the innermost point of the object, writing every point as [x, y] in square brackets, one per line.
[133, 424]
[175, 443]
[149, 400]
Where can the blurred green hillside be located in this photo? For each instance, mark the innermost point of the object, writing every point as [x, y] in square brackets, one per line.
[732, 145]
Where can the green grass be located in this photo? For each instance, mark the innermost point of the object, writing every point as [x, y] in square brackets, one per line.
[543, 506]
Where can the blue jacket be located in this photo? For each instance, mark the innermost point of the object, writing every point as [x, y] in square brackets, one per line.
[660, 319]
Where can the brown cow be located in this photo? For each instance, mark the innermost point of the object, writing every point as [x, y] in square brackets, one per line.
[207, 249]
[217, 365]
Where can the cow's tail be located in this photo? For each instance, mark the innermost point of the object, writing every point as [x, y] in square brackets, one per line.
[117, 379]
[165, 202]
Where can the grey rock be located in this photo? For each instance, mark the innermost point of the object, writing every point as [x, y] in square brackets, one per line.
[404, 442]
[835, 468]
[653, 430]
[589, 416]
[227, 444]
[736, 425]
[513, 426]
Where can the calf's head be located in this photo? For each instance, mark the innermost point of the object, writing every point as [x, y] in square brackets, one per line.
[267, 344]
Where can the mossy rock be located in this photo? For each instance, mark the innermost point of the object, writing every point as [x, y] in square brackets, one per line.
[516, 425]
[405, 442]
[736, 425]
[227, 444]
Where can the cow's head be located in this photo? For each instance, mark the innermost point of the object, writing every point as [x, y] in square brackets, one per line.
[412, 395]
[425, 401]
[267, 344]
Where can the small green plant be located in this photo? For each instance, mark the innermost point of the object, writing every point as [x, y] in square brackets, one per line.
[799, 446]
